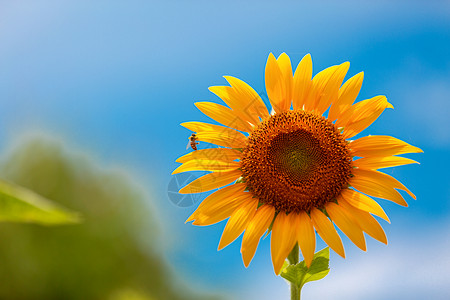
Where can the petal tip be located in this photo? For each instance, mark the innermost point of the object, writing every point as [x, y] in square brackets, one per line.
[191, 218]
[246, 259]
[308, 261]
[271, 58]
[282, 55]
[277, 270]
[224, 241]
[228, 77]
[183, 190]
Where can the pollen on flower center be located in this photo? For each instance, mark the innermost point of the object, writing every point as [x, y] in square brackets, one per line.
[295, 161]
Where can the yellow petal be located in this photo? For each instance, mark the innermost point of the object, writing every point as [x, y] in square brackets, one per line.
[345, 117]
[205, 131]
[302, 82]
[367, 223]
[220, 140]
[231, 98]
[318, 83]
[207, 165]
[284, 237]
[275, 85]
[383, 179]
[210, 182]
[255, 229]
[364, 115]
[327, 231]
[249, 98]
[367, 107]
[200, 126]
[373, 187]
[347, 95]
[330, 90]
[374, 163]
[380, 145]
[344, 221]
[221, 210]
[223, 154]
[238, 221]
[223, 115]
[284, 63]
[306, 237]
[361, 110]
[220, 197]
[362, 202]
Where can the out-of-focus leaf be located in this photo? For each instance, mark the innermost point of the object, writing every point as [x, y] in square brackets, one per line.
[300, 274]
[18, 204]
[129, 294]
[116, 253]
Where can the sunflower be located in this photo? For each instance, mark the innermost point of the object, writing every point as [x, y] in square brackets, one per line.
[294, 171]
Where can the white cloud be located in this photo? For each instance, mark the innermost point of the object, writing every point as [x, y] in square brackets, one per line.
[415, 266]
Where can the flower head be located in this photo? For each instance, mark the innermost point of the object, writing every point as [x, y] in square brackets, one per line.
[294, 171]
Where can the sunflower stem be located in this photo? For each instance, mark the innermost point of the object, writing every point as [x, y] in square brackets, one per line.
[293, 259]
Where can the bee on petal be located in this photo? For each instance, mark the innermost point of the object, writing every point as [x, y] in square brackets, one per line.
[192, 142]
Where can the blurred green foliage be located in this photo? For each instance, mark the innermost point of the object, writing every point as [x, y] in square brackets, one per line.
[101, 258]
[18, 204]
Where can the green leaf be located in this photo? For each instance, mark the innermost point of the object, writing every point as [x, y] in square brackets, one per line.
[299, 274]
[18, 204]
[295, 273]
[319, 267]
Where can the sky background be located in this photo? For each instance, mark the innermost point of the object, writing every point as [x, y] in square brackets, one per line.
[113, 79]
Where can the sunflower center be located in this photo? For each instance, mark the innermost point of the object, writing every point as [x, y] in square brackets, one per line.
[296, 161]
[295, 153]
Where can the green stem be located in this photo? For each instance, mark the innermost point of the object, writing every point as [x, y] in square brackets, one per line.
[293, 259]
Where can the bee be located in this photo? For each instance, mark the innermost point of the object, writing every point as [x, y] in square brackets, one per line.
[192, 142]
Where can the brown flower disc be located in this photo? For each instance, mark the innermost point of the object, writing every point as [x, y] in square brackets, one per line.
[295, 161]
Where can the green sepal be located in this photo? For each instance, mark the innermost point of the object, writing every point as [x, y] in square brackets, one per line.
[299, 274]
[18, 204]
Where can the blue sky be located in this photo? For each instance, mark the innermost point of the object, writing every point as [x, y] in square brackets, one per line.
[115, 79]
